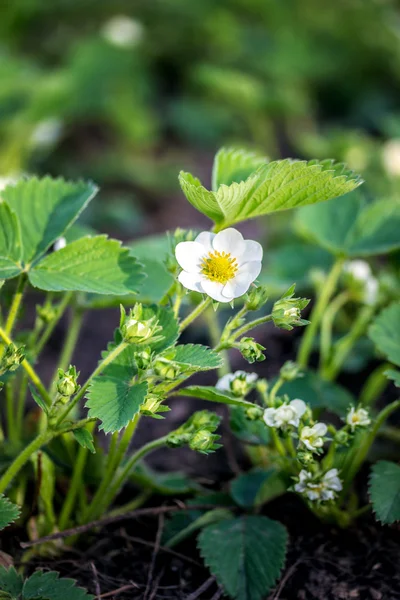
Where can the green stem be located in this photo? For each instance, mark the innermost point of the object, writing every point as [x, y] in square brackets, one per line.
[246, 327]
[16, 303]
[30, 371]
[318, 312]
[215, 336]
[21, 404]
[104, 363]
[200, 308]
[327, 325]
[76, 482]
[11, 425]
[50, 327]
[363, 448]
[168, 295]
[74, 329]
[346, 343]
[374, 385]
[275, 389]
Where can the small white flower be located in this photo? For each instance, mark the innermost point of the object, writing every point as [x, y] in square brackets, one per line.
[238, 383]
[286, 414]
[123, 31]
[391, 157]
[46, 133]
[313, 437]
[322, 489]
[221, 265]
[361, 272]
[357, 418]
[59, 244]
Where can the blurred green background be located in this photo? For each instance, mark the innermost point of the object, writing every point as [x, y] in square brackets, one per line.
[130, 92]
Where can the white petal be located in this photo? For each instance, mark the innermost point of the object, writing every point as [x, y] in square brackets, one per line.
[327, 495]
[299, 406]
[335, 484]
[225, 381]
[205, 238]
[269, 417]
[191, 281]
[320, 429]
[214, 290]
[253, 252]
[189, 256]
[252, 269]
[237, 286]
[229, 240]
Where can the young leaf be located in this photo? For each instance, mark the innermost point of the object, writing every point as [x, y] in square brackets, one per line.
[233, 165]
[96, 265]
[114, 401]
[197, 357]
[394, 375]
[385, 333]
[49, 586]
[11, 583]
[84, 439]
[213, 395]
[246, 555]
[46, 208]
[384, 490]
[38, 399]
[10, 243]
[9, 512]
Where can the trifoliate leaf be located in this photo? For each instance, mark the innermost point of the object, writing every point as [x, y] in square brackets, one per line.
[197, 357]
[360, 229]
[49, 586]
[114, 401]
[9, 512]
[234, 165]
[246, 555]
[46, 208]
[275, 186]
[384, 490]
[84, 439]
[394, 376]
[11, 583]
[10, 243]
[98, 265]
[212, 394]
[385, 333]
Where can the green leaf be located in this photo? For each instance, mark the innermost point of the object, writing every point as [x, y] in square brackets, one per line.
[394, 376]
[257, 487]
[318, 393]
[9, 512]
[249, 432]
[11, 583]
[10, 243]
[197, 357]
[360, 229]
[213, 395]
[233, 165]
[98, 265]
[246, 555]
[385, 333]
[384, 489]
[114, 401]
[276, 186]
[46, 208]
[169, 324]
[38, 399]
[84, 439]
[45, 475]
[152, 252]
[49, 586]
[167, 484]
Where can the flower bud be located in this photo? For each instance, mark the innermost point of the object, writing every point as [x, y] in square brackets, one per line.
[290, 371]
[135, 329]
[305, 458]
[286, 312]
[143, 359]
[251, 350]
[12, 358]
[152, 406]
[46, 313]
[262, 386]
[203, 441]
[257, 297]
[254, 413]
[166, 370]
[67, 384]
[342, 438]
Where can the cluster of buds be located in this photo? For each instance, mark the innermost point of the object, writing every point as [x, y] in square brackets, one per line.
[197, 433]
[257, 297]
[238, 384]
[153, 405]
[143, 359]
[12, 358]
[290, 371]
[67, 384]
[286, 312]
[136, 329]
[251, 350]
[166, 369]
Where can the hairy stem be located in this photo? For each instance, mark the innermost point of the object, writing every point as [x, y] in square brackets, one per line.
[16, 303]
[200, 308]
[326, 328]
[50, 327]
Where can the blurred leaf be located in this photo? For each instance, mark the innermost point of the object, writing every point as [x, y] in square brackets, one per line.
[9, 512]
[84, 439]
[249, 432]
[97, 265]
[384, 490]
[212, 394]
[394, 376]
[385, 333]
[10, 243]
[151, 253]
[257, 487]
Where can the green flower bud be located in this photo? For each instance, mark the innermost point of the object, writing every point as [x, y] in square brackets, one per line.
[135, 329]
[254, 413]
[67, 384]
[152, 406]
[251, 350]
[262, 386]
[203, 441]
[46, 313]
[290, 371]
[143, 359]
[342, 438]
[286, 312]
[257, 297]
[305, 458]
[12, 358]
[177, 439]
[166, 370]
[204, 419]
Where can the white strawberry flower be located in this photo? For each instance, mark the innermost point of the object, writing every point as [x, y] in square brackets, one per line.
[313, 437]
[357, 418]
[323, 489]
[289, 413]
[239, 383]
[123, 31]
[222, 265]
[361, 272]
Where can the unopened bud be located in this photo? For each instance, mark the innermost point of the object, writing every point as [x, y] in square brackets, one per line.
[251, 350]
[143, 359]
[12, 358]
[286, 312]
[166, 370]
[254, 413]
[152, 406]
[67, 384]
[290, 371]
[203, 441]
[305, 458]
[257, 297]
[135, 328]
[342, 438]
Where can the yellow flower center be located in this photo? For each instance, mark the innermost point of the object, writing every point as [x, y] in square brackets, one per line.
[219, 266]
